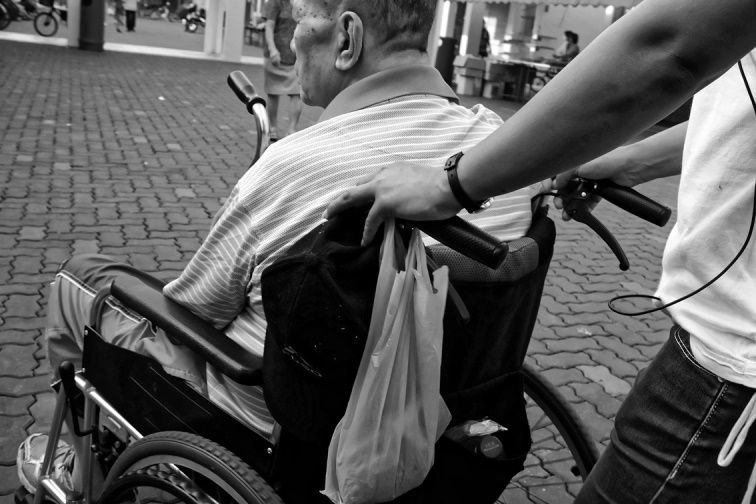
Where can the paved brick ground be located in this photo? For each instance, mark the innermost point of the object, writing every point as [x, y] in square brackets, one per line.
[131, 155]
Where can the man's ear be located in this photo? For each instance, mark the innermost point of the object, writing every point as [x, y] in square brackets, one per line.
[350, 39]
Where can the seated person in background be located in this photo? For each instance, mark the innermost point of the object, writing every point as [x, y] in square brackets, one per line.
[384, 102]
[568, 50]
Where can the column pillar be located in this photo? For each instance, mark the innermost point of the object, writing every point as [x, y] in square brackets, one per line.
[74, 19]
[234, 32]
[224, 29]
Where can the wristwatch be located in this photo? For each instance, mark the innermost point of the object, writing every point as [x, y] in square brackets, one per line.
[456, 188]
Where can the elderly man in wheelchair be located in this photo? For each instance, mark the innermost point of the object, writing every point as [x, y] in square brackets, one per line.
[175, 392]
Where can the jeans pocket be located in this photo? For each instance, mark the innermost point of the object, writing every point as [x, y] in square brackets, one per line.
[682, 340]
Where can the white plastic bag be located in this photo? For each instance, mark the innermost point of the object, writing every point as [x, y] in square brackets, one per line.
[384, 444]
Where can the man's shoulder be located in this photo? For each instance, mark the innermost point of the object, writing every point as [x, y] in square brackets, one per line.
[293, 153]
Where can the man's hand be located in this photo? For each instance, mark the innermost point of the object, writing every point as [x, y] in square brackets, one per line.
[405, 190]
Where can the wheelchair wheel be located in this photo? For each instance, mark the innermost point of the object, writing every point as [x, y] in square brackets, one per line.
[45, 24]
[562, 453]
[181, 467]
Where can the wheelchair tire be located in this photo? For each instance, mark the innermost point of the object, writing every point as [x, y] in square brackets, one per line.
[562, 453]
[196, 469]
[152, 485]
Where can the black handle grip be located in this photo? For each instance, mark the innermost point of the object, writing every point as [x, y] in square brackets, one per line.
[467, 239]
[632, 201]
[244, 90]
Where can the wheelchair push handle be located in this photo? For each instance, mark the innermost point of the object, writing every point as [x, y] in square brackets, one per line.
[632, 201]
[467, 239]
[244, 90]
[255, 104]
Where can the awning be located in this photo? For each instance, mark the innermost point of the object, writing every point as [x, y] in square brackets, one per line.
[575, 3]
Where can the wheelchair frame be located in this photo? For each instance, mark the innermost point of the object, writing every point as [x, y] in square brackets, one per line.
[107, 408]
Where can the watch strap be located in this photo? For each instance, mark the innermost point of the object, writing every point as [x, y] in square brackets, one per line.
[456, 188]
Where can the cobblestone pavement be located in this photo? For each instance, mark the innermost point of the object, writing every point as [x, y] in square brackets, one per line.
[131, 155]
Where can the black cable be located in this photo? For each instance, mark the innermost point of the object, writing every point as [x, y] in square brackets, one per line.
[707, 284]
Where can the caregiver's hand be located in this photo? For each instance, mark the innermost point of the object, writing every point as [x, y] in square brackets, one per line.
[404, 190]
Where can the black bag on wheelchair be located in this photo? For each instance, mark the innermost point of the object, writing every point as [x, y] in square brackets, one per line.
[317, 302]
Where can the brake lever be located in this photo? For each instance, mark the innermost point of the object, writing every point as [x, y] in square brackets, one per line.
[576, 198]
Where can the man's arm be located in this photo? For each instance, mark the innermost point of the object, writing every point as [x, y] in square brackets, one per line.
[271, 12]
[214, 285]
[635, 73]
[639, 71]
[273, 54]
[657, 156]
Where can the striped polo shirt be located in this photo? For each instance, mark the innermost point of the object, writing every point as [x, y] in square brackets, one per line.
[403, 114]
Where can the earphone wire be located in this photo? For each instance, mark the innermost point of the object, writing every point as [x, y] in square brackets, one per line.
[720, 274]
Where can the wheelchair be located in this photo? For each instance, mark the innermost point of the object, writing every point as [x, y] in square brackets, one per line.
[156, 439]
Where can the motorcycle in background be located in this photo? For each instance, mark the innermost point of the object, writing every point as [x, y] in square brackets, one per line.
[191, 17]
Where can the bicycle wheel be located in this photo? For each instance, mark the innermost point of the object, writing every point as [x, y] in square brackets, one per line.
[5, 17]
[562, 453]
[181, 467]
[45, 24]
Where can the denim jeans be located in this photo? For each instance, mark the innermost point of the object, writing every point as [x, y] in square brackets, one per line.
[668, 433]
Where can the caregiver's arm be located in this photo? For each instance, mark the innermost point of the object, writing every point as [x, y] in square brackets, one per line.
[635, 73]
[654, 157]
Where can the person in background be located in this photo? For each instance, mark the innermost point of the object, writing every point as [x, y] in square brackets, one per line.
[130, 6]
[684, 433]
[280, 74]
[569, 48]
[485, 42]
[118, 12]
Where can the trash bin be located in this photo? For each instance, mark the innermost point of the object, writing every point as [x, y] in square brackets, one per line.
[92, 25]
[468, 74]
[445, 58]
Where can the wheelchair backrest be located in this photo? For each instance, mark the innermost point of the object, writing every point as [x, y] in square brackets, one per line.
[503, 305]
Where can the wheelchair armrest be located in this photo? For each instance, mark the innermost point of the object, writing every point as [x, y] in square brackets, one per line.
[228, 356]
